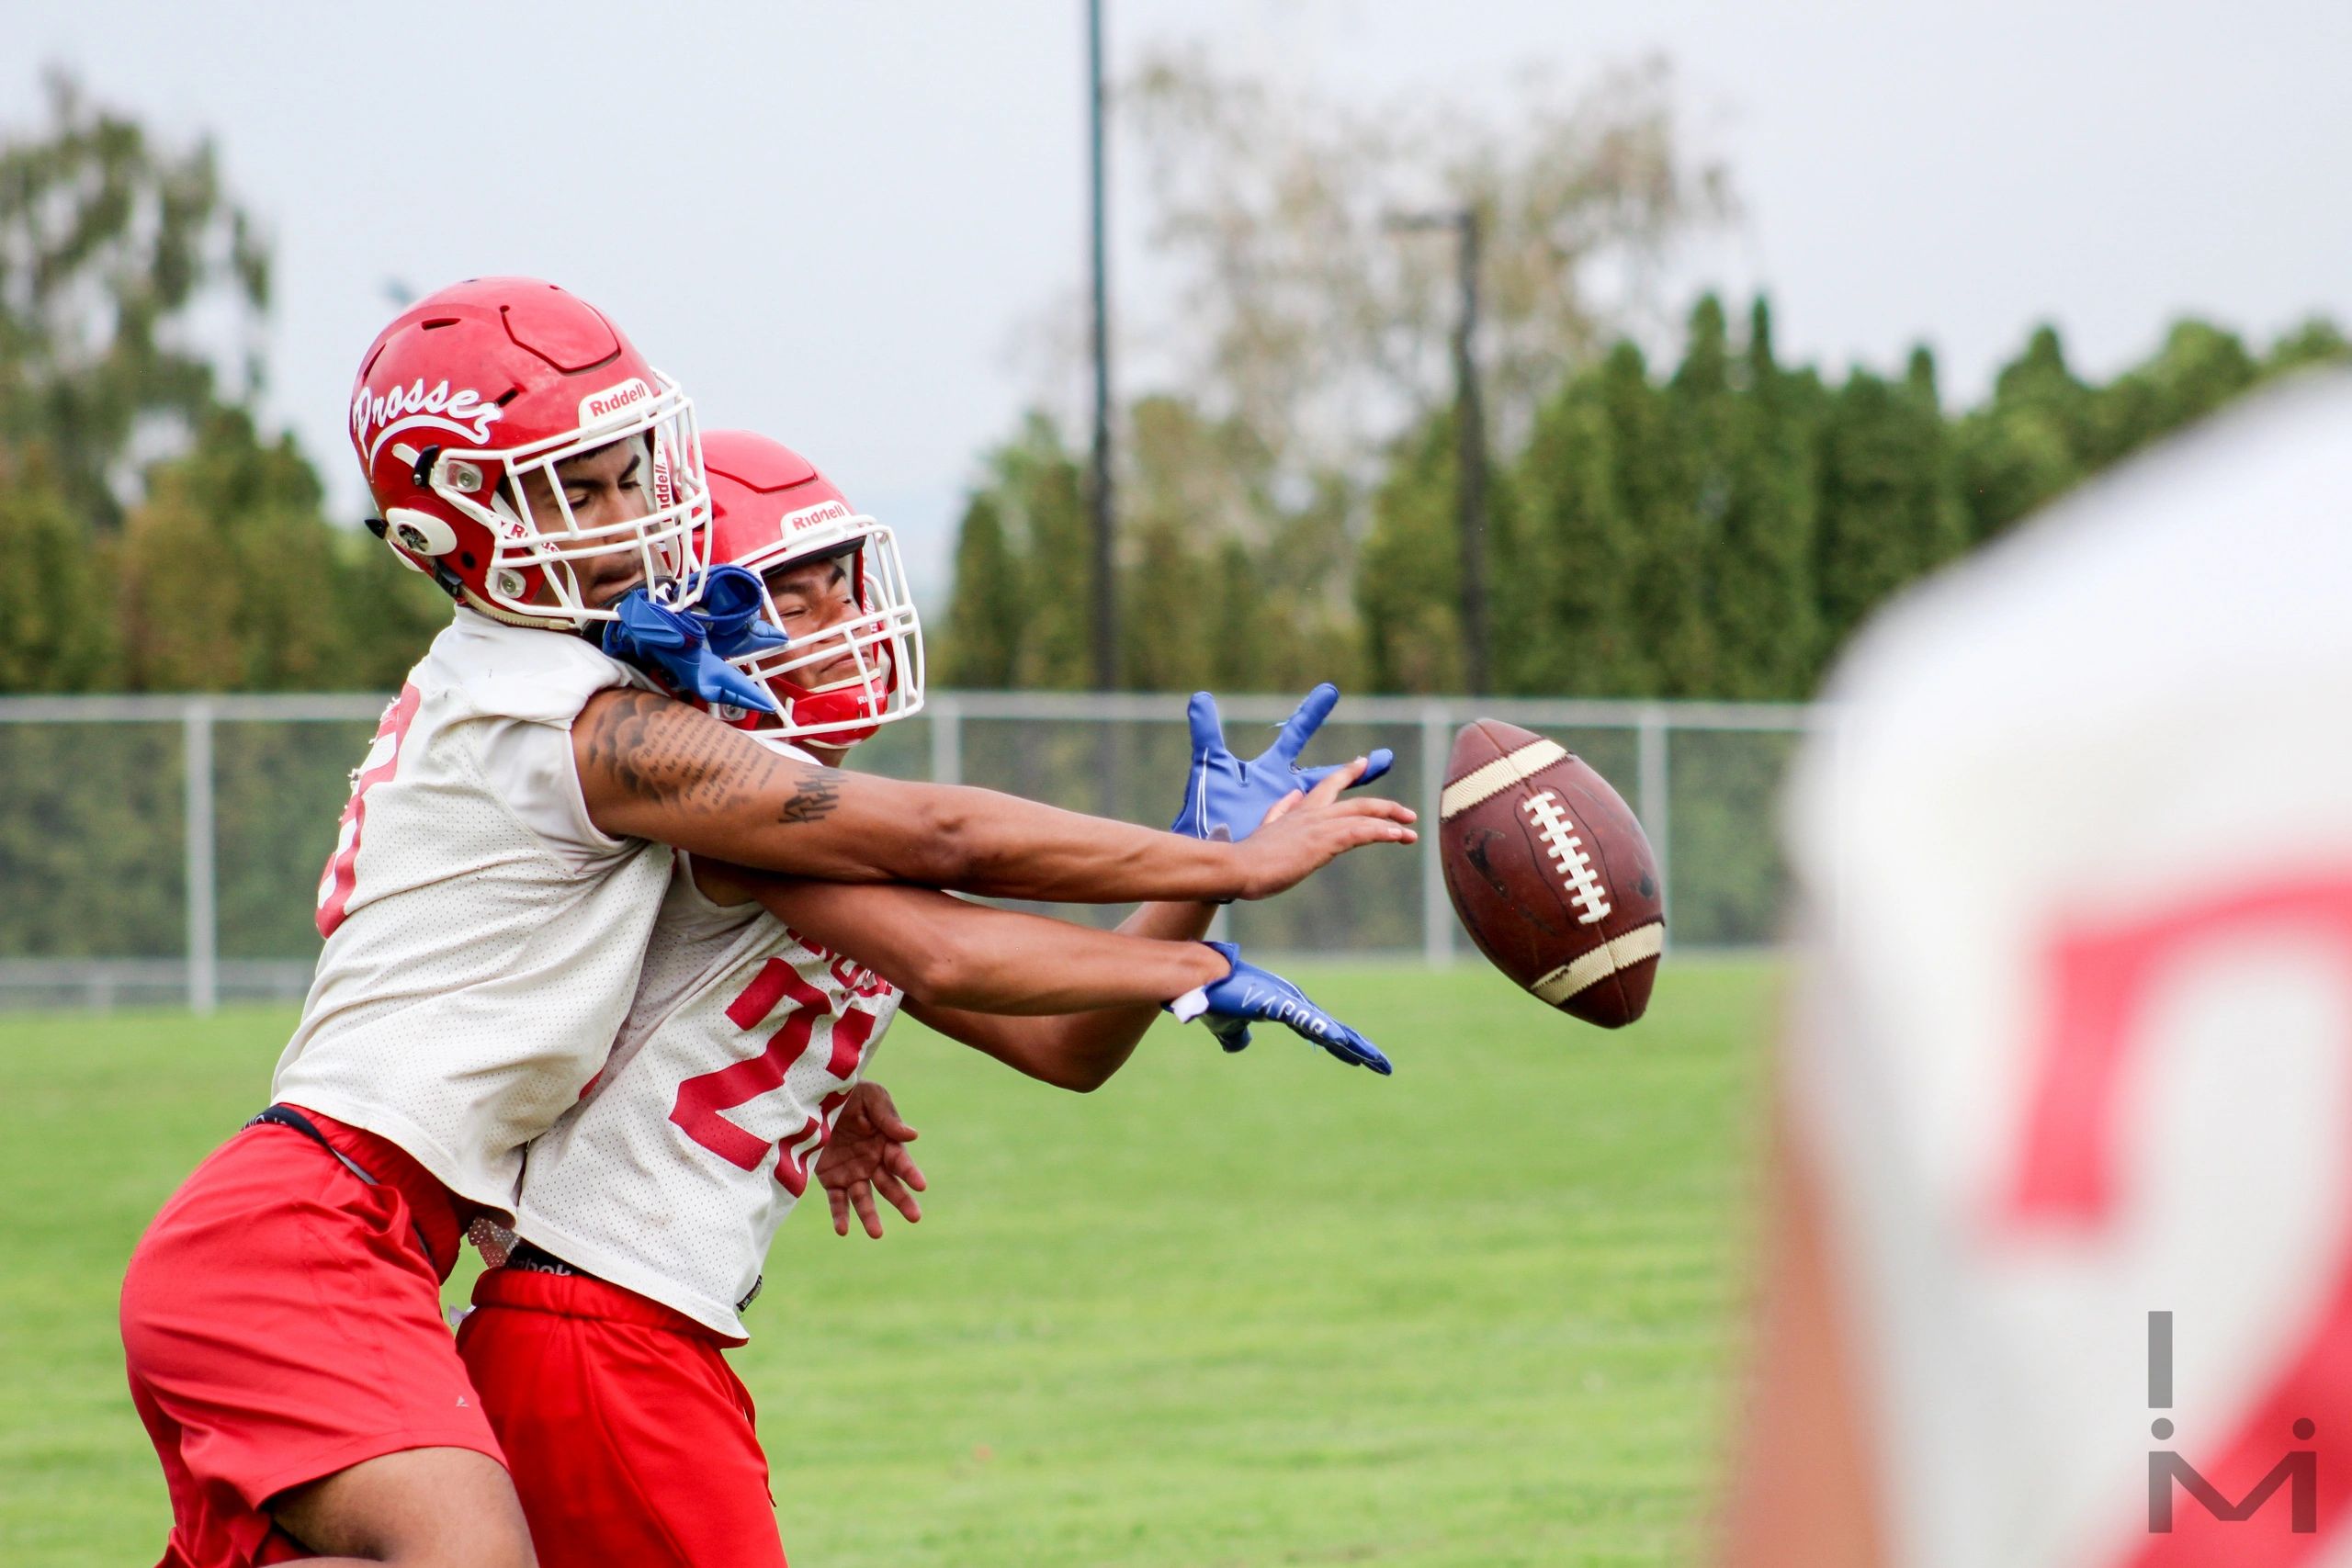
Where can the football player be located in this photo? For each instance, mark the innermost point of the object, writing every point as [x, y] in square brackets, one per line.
[2063, 1271]
[501, 861]
[646, 1210]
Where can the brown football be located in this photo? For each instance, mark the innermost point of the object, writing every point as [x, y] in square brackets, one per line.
[1551, 875]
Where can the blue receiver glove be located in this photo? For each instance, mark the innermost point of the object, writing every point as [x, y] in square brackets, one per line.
[1248, 994]
[1225, 797]
[690, 647]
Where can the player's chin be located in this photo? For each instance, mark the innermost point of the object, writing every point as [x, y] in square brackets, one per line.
[604, 595]
[837, 674]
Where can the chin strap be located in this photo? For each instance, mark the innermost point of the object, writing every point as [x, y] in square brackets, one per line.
[690, 647]
[482, 606]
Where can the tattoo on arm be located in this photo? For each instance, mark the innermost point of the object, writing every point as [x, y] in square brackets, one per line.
[812, 798]
[655, 748]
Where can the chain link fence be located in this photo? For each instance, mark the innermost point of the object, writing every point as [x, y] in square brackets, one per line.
[161, 849]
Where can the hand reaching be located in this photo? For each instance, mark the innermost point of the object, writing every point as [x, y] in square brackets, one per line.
[1307, 832]
[867, 1153]
[1225, 797]
[1250, 994]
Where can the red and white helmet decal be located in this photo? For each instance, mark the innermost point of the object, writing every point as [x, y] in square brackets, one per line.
[464, 407]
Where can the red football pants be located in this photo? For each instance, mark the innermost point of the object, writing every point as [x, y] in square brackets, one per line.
[630, 1438]
[281, 1322]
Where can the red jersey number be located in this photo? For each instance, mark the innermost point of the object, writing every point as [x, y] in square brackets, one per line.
[702, 1100]
[2104, 981]
[382, 759]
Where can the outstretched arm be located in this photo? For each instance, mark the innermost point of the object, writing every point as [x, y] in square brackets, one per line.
[1063, 1003]
[653, 768]
[1076, 1050]
[948, 954]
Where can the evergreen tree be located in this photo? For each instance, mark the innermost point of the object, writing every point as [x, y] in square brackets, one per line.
[1243, 633]
[1703, 437]
[1762, 598]
[984, 618]
[1719, 535]
[1579, 550]
[2032, 444]
[2318, 342]
[1409, 586]
[2199, 369]
[1040, 491]
[1889, 504]
[1665, 608]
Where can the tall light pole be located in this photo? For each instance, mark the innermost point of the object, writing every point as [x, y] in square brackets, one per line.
[1469, 437]
[1104, 597]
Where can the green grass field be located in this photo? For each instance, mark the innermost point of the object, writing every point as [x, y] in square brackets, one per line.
[1224, 1311]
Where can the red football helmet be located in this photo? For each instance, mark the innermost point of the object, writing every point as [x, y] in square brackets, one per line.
[773, 510]
[478, 386]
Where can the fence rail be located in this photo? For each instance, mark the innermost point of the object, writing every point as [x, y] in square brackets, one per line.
[116, 891]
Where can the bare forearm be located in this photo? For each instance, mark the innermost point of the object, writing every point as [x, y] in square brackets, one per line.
[1006, 847]
[945, 952]
[1077, 1050]
[1174, 920]
[652, 768]
[1110, 1034]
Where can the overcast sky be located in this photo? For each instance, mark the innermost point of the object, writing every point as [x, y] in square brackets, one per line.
[833, 218]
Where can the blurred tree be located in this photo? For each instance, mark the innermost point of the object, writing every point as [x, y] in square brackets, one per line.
[1223, 585]
[1890, 503]
[1718, 535]
[56, 634]
[1189, 593]
[2200, 367]
[1310, 350]
[1408, 583]
[1302, 583]
[166, 542]
[1766, 611]
[228, 573]
[2031, 443]
[984, 618]
[1698, 428]
[2317, 341]
[389, 613]
[1306, 317]
[112, 249]
[1580, 548]
[1025, 607]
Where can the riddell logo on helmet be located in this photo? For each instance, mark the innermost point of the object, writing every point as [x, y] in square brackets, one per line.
[376, 417]
[815, 516]
[598, 407]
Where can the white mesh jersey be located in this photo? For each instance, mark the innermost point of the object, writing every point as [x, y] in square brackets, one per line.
[2073, 1046]
[484, 938]
[672, 1176]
